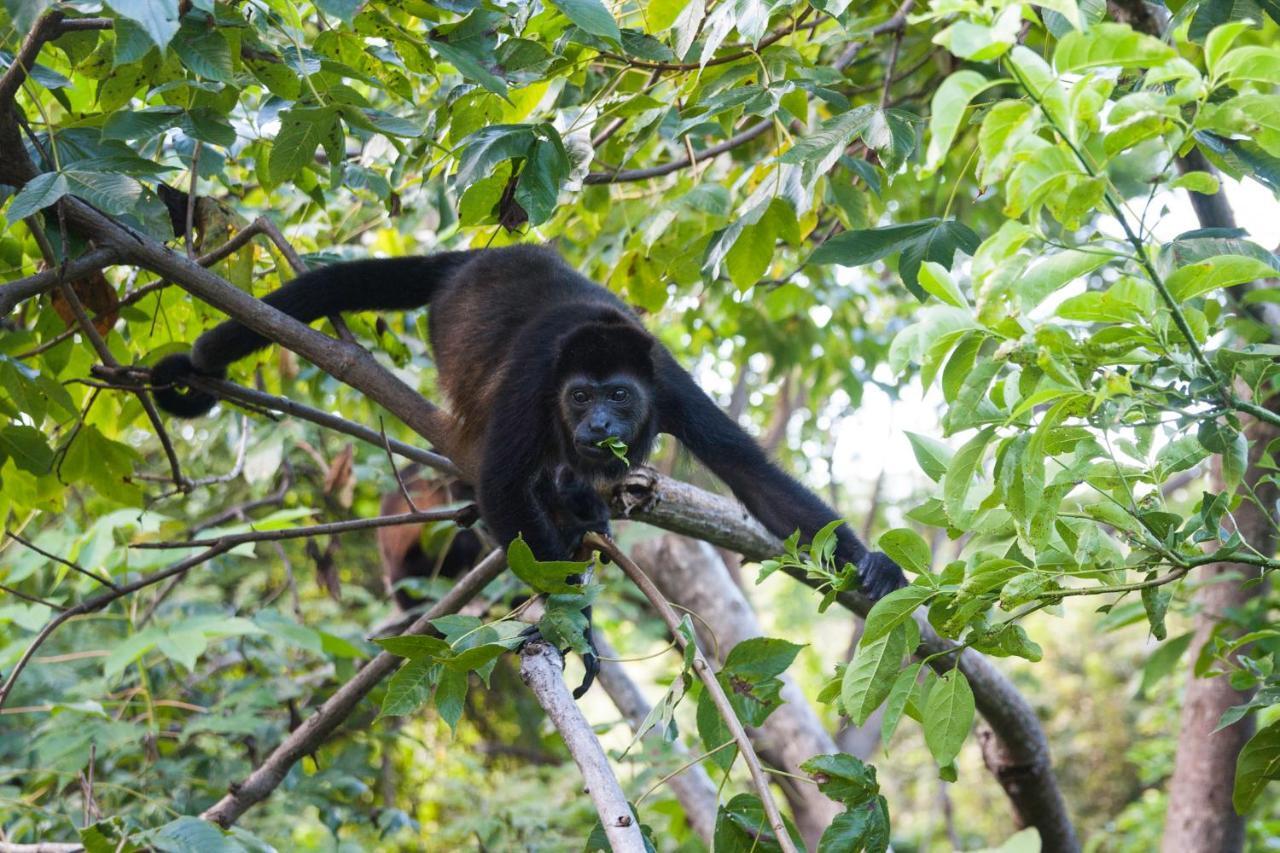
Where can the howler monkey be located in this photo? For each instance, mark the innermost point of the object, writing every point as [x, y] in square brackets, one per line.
[540, 365]
[402, 548]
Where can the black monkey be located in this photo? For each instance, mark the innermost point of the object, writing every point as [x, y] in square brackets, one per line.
[540, 364]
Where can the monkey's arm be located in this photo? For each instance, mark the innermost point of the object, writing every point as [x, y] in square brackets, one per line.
[780, 503]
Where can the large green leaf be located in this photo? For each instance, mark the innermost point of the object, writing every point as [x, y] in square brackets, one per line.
[1114, 45]
[870, 674]
[39, 192]
[1259, 763]
[1212, 273]
[946, 111]
[948, 716]
[158, 18]
[302, 131]
[592, 15]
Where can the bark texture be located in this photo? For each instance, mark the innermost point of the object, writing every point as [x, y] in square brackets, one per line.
[1200, 817]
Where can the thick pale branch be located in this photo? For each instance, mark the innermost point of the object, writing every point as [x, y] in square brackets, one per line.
[541, 668]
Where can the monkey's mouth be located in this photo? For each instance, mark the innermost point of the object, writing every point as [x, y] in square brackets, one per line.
[592, 452]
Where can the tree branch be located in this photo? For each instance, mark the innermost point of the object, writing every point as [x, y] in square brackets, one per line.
[97, 603]
[33, 285]
[305, 739]
[700, 665]
[541, 669]
[691, 785]
[682, 508]
[466, 513]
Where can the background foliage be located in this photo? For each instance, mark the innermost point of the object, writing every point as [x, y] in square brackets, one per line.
[821, 207]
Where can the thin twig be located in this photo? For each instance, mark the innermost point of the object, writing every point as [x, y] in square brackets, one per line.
[700, 665]
[31, 598]
[239, 393]
[395, 469]
[105, 581]
[97, 603]
[466, 513]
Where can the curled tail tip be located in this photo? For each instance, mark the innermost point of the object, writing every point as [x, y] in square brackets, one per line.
[175, 398]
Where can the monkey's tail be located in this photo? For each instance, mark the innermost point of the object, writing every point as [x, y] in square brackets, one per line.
[389, 284]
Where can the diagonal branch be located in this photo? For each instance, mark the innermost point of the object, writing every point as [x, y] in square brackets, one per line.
[305, 739]
[700, 665]
[540, 669]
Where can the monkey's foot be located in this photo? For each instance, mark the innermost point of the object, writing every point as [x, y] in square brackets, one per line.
[590, 661]
[878, 575]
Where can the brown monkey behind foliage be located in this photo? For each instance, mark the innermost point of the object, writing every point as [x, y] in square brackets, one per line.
[403, 550]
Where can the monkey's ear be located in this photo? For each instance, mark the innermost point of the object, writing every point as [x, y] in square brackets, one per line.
[604, 348]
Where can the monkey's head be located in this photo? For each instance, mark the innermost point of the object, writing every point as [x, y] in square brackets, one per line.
[606, 393]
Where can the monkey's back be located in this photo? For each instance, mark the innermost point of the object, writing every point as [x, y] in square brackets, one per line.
[483, 310]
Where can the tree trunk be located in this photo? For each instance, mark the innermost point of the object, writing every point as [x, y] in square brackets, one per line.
[1200, 817]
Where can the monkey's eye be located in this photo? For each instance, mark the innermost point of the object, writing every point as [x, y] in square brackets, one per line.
[619, 395]
[580, 397]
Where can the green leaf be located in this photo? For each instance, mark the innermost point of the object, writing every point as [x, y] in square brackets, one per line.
[894, 609]
[959, 478]
[761, 657]
[469, 67]
[451, 695]
[543, 576]
[1155, 601]
[948, 716]
[416, 647]
[27, 447]
[158, 18]
[741, 827]
[713, 732]
[863, 828]
[38, 193]
[113, 192]
[592, 16]
[1212, 273]
[1179, 455]
[935, 280]
[946, 112]
[927, 240]
[932, 455]
[302, 131]
[1054, 273]
[896, 703]
[819, 151]
[409, 689]
[870, 674]
[843, 778]
[1197, 182]
[1163, 660]
[190, 835]
[489, 146]
[1112, 45]
[1259, 763]
[204, 50]
[908, 549]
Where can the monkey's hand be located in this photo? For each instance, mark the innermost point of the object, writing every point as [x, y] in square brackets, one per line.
[878, 575]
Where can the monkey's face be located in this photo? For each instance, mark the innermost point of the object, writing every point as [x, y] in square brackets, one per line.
[598, 409]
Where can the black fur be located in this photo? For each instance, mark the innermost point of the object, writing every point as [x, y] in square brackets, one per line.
[520, 313]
